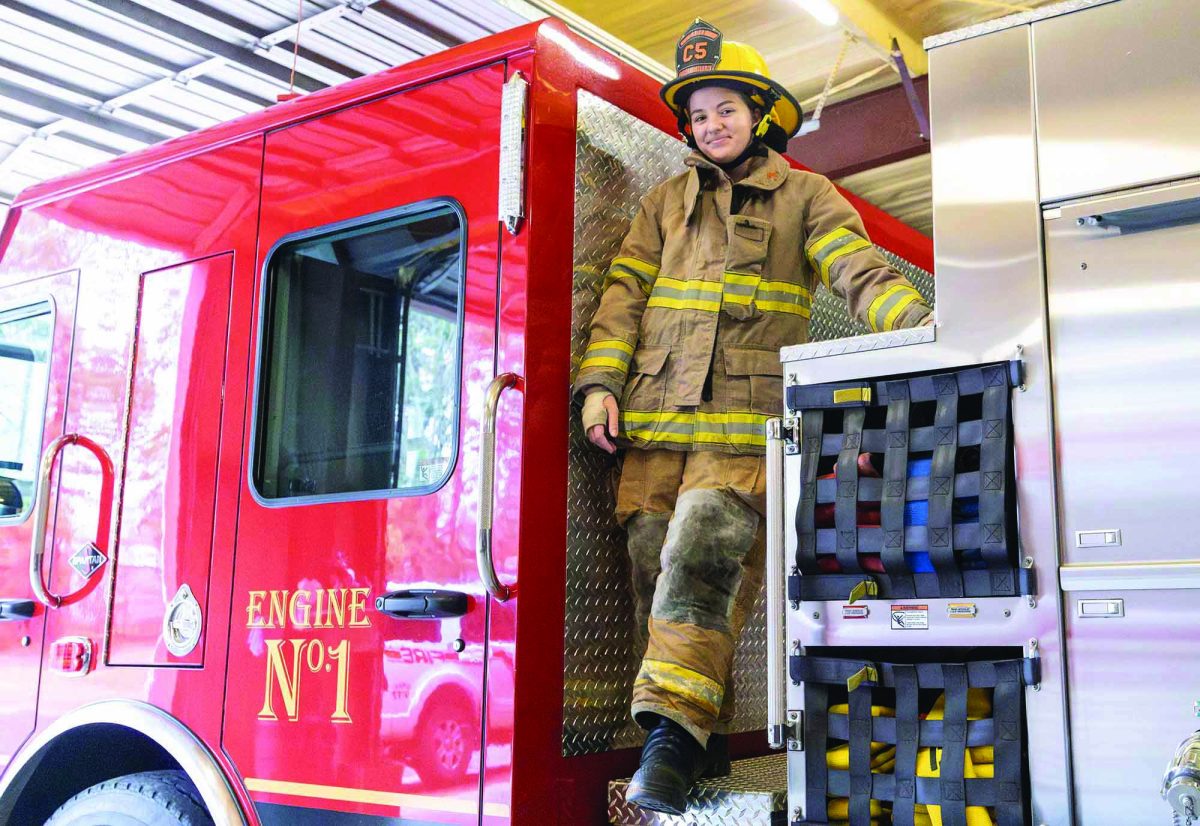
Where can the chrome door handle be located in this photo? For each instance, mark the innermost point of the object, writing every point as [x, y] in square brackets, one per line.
[37, 579]
[487, 478]
[776, 677]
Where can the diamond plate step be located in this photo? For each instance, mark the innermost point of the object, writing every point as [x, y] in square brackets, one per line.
[755, 794]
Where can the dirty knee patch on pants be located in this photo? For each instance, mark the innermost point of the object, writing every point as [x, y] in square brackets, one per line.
[646, 533]
[708, 537]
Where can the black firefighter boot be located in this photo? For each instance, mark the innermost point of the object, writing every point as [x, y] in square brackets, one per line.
[672, 761]
[716, 757]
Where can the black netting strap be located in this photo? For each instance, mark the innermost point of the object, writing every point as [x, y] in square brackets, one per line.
[895, 479]
[907, 732]
[916, 488]
[845, 511]
[969, 382]
[920, 439]
[810, 669]
[827, 396]
[980, 583]
[811, 425]
[979, 791]
[952, 771]
[941, 488]
[1006, 711]
[860, 756]
[888, 729]
[871, 540]
[994, 455]
[816, 772]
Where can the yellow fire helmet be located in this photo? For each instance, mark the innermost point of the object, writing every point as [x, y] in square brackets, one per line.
[704, 57]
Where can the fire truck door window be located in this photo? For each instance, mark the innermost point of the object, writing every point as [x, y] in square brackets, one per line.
[25, 339]
[360, 371]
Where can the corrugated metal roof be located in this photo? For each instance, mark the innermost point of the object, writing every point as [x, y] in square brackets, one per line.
[82, 81]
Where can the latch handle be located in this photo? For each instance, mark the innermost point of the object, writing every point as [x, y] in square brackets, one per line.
[423, 603]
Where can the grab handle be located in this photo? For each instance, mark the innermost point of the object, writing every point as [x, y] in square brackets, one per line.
[487, 479]
[776, 667]
[37, 578]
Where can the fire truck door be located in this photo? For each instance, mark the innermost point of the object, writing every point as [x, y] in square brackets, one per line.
[37, 320]
[358, 638]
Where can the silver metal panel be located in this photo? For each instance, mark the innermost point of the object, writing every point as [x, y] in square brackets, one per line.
[618, 158]
[858, 344]
[1011, 21]
[1134, 681]
[1130, 576]
[1115, 97]
[753, 795]
[990, 307]
[1123, 300]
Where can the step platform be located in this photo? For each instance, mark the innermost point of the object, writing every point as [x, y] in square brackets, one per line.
[754, 794]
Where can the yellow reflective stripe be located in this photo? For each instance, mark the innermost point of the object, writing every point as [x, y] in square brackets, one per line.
[603, 361]
[639, 266]
[741, 278]
[687, 286]
[683, 303]
[699, 428]
[615, 276]
[830, 247]
[783, 307]
[785, 287]
[887, 306]
[691, 685]
[889, 321]
[611, 344]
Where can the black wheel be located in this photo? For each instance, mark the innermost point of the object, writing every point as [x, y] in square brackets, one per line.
[443, 746]
[162, 798]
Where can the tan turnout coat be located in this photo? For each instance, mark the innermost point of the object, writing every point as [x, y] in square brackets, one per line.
[696, 290]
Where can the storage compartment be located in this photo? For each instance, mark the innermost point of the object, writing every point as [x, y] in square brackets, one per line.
[906, 487]
[914, 737]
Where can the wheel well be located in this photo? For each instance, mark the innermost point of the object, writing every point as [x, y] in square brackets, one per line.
[80, 758]
[450, 694]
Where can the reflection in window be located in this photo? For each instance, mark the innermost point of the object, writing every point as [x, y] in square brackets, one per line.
[25, 338]
[360, 369]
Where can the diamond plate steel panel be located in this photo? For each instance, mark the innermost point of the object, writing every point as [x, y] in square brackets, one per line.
[618, 158]
[755, 794]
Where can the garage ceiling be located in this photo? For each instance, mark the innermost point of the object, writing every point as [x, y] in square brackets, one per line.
[82, 81]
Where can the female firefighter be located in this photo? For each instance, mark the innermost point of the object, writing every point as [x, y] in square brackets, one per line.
[715, 275]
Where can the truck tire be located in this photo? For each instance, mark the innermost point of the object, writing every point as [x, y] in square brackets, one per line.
[159, 798]
[443, 744]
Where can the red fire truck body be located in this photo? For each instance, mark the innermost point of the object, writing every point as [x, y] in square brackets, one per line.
[155, 346]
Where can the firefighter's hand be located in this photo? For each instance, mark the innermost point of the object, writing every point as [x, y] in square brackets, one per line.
[600, 417]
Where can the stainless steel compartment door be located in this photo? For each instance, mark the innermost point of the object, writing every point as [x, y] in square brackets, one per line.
[1124, 314]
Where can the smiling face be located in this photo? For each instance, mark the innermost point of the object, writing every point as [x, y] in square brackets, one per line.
[721, 122]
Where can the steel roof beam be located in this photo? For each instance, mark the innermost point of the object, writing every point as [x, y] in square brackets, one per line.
[425, 28]
[863, 133]
[126, 49]
[263, 42]
[62, 109]
[880, 27]
[202, 40]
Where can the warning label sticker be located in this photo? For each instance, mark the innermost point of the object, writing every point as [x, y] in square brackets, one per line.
[910, 617]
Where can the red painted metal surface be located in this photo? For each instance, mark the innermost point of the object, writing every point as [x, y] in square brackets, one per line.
[155, 263]
[398, 690]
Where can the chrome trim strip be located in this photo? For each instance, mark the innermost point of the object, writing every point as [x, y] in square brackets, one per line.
[1010, 21]
[215, 787]
[776, 668]
[1130, 576]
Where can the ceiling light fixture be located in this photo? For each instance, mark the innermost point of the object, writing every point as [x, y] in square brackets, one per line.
[824, 11]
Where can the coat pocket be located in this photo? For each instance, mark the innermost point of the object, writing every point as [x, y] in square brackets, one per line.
[753, 381]
[647, 385]
[747, 240]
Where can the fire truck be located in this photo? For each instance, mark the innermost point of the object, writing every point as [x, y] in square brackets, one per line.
[297, 525]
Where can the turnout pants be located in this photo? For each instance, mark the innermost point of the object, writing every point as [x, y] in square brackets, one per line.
[695, 522]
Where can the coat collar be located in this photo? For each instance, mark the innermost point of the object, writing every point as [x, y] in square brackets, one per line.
[766, 174]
